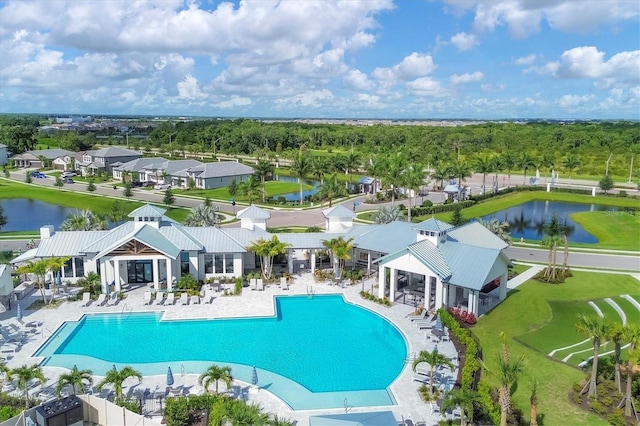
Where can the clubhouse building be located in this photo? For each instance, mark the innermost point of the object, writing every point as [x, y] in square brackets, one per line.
[447, 265]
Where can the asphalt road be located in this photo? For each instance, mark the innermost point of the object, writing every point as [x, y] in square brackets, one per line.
[577, 259]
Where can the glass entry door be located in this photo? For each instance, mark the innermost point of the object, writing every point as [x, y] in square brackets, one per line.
[139, 271]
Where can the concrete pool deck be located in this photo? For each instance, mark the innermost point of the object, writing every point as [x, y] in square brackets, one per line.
[250, 303]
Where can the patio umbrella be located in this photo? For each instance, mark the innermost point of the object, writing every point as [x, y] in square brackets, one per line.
[254, 377]
[438, 325]
[169, 377]
[19, 312]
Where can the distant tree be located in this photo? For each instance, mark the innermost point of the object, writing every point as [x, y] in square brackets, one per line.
[92, 186]
[28, 179]
[501, 229]
[456, 216]
[128, 190]
[58, 182]
[331, 189]
[606, 183]
[233, 188]
[352, 163]
[412, 180]
[266, 250]
[250, 187]
[191, 184]
[301, 168]
[3, 217]
[207, 201]
[263, 169]
[526, 161]
[202, 215]
[6, 172]
[388, 214]
[117, 213]
[84, 220]
[168, 198]
[483, 165]
[570, 163]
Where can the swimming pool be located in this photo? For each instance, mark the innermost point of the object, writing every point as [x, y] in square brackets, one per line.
[313, 353]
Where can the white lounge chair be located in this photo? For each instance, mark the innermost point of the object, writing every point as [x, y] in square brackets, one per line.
[422, 316]
[195, 299]
[283, 283]
[86, 299]
[171, 299]
[101, 299]
[113, 299]
[208, 296]
[253, 283]
[146, 298]
[184, 299]
[259, 284]
[160, 298]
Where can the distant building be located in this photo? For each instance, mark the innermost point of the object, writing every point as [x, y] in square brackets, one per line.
[60, 159]
[94, 161]
[3, 155]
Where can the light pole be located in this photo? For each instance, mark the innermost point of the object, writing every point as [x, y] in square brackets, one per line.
[214, 146]
[631, 167]
[170, 146]
[606, 172]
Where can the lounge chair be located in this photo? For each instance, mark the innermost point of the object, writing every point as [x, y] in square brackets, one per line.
[146, 298]
[284, 284]
[195, 299]
[171, 299]
[253, 283]
[86, 299]
[113, 299]
[422, 316]
[421, 378]
[101, 299]
[208, 296]
[259, 284]
[184, 299]
[159, 298]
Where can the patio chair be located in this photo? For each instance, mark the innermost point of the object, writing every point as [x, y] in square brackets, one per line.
[159, 298]
[259, 284]
[421, 378]
[422, 316]
[146, 298]
[86, 299]
[284, 284]
[195, 299]
[171, 299]
[253, 283]
[102, 298]
[208, 296]
[113, 299]
[184, 299]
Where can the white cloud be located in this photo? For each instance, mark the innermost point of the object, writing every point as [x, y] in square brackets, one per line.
[491, 88]
[425, 86]
[464, 41]
[466, 78]
[311, 98]
[570, 101]
[525, 60]
[412, 66]
[357, 80]
[234, 102]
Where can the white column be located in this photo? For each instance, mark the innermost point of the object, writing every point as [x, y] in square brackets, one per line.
[393, 284]
[290, 261]
[503, 286]
[368, 262]
[169, 274]
[470, 301]
[452, 290]
[475, 308]
[382, 274]
[313, 261]
[445, 294]
[439, 293]
[116, 269]
[156, 283]
[103, 275]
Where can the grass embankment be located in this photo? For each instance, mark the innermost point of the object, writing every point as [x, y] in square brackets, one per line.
[74, 199]
[273, 189]
[528, 309]
[614, 230]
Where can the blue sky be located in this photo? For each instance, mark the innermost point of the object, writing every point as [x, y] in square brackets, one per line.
[414, 59]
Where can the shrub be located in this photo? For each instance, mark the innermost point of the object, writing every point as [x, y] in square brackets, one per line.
[623, 194]
[188, 282]
[7, 412]
[238, 286]
[616, 418]
[598, 408]
[427, 203]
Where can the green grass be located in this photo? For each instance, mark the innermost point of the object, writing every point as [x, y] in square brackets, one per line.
[614, 230]
[273, 189]
[632, 313]
[528, 309]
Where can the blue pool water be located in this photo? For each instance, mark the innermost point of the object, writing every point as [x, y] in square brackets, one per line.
[313, 353]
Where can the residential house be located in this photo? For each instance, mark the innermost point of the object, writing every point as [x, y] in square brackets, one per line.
[58, 158]
[103, 160]
[3, 155]
[219, 174]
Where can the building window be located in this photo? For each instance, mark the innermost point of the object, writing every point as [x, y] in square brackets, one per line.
[184, 263]
[79, 266]
[219, 260]
[228, 263]
[208, 264]
[68, 269]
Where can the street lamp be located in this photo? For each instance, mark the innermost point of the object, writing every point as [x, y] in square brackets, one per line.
[170, 136]
[214, 145]
[631, 167]
[606, 172]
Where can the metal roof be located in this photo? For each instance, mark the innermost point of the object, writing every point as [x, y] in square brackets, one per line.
[433, 225]
[114, 151]
[140, 163]
[221, 169]
[180, 236]
[24, 257]
[253, 212]
[308, 240]
[338, 211]
[147, 235]
[148, 211]
[215, 240]
[387, 238]
[475, 234]
[452, 188]
[429, 254]
[470, 265]
[68, 243]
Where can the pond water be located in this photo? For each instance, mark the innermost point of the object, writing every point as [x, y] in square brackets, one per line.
[295, 196]
[528, 220]
[24, 214]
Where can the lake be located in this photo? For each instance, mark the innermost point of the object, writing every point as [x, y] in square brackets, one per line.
[528, 220]
[24, 214]
[295, 196]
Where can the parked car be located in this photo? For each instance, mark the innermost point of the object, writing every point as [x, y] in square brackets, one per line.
[38, 174]
[69, 174]
[67, 180]
[136, 184]
[162, 186]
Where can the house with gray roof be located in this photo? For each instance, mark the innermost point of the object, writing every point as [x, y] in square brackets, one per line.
[61, 159]
[219, 174]
[442, 264]
[103, 160]
[3, 155]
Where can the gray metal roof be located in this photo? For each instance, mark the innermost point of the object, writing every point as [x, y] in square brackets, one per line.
[49, 154]
[68, 243]
[24, 257]
[339, 211]
[469, 265]
[147, 235]
[140, 164]
[475, 234]
[245, 237]
[429, 254]
[181, 237]
[253, 212]
[387, 238]
[308, 240]
[433, 225]
[215, 240]
[148, 211]
[114, 151]
[452, 188]
[221, 169]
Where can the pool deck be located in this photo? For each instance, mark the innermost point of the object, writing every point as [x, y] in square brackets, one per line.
[250, 303]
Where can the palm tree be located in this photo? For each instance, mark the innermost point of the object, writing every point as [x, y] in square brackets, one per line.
[39, 268]
[509, 162]
[318, 168]
[497, 165]
[571, 162]
[597, 329]
[280, 421]
[615, 335]
[394, 172]
[340, 249]
[440, 173]
[249, 188]
[484, 165]
[239, 413]
[376, 168]
[24, 375]
[509, 371]
[352, 162]
[551, 240]
[388, 214]
[460, 170]
[463, 398]
[267, 250]
[264, 168]
[525, 161]
[331, 189]
[115, 378]
[301, 168]
[500, 229]
[631, 335]
[533, 401]
[214, 374]
[76, 378]
[412, 179]
[547, 162]
[55, 265]
[435, 359]
[203, 215]
[84, 220]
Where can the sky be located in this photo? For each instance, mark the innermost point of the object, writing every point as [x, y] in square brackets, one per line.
[405, 59]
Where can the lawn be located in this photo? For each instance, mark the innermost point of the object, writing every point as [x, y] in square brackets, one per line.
[528, 309]
[614, 230]
[273, 189]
